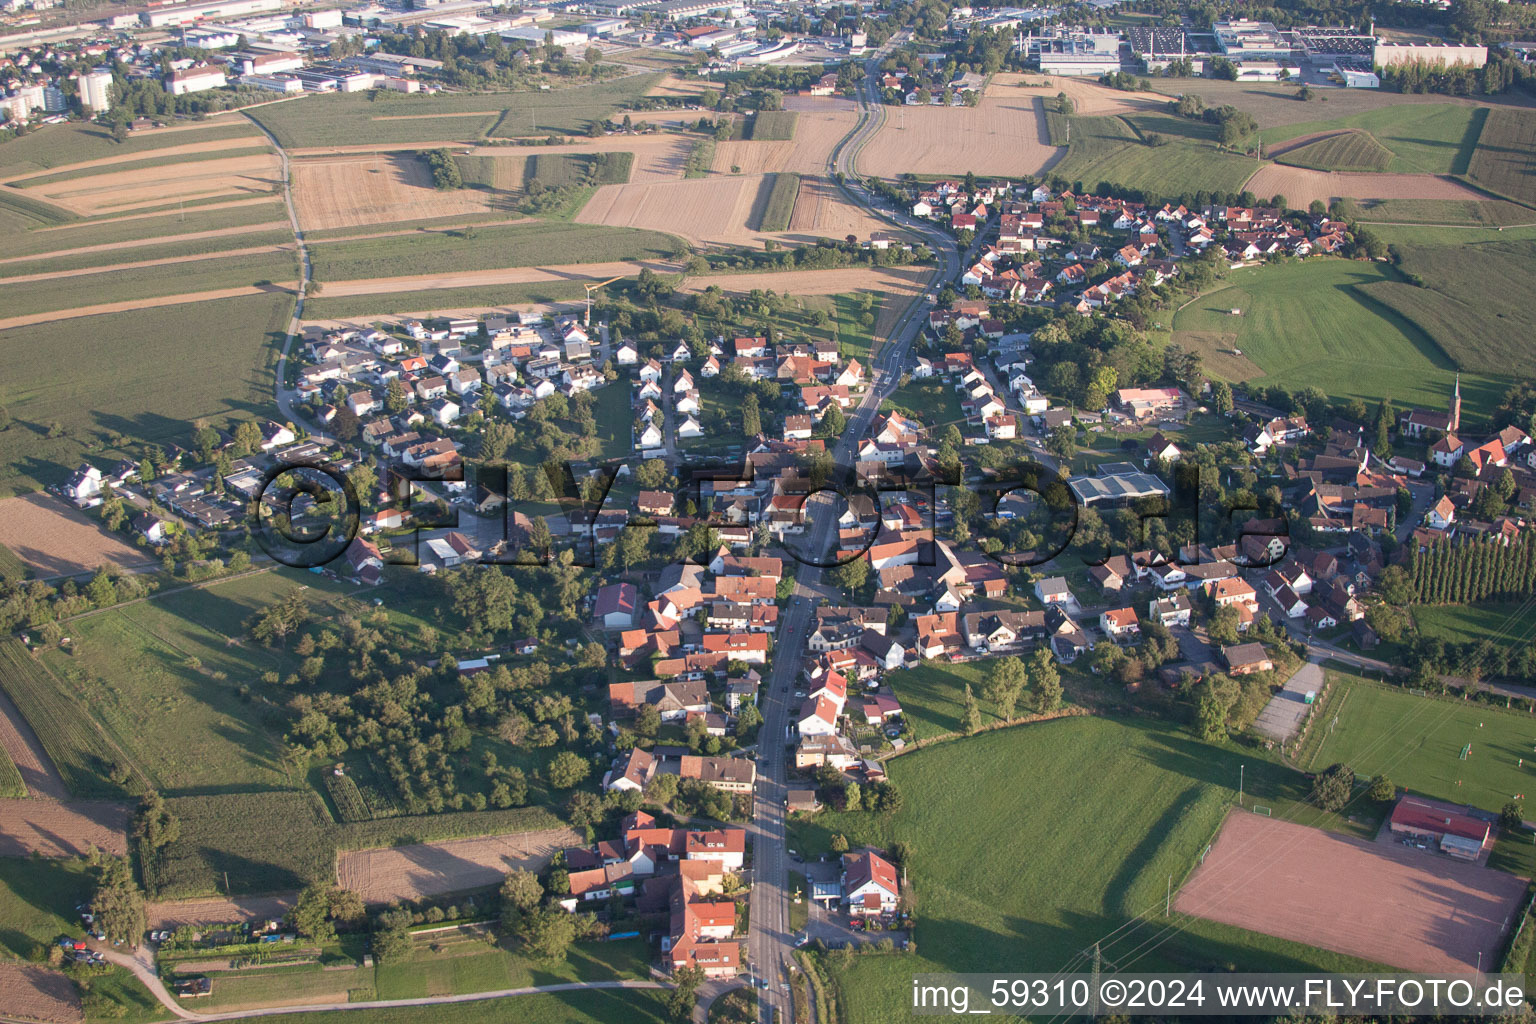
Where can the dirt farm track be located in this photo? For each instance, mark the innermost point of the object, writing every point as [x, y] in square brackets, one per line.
[432, 869]
[1381, 902]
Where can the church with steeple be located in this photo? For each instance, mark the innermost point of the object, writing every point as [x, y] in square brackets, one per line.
[1418, 422]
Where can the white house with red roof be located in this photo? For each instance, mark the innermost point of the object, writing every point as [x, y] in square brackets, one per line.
[870, 884]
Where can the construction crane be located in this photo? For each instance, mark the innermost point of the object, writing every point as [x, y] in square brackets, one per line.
[587, 321]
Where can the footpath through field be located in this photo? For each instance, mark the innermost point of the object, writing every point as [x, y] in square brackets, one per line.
[142, 966]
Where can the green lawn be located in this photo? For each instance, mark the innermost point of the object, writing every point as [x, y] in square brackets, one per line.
[321, 120]
[1423, 138]
[1471, 301]
[934, 402]
[932, 696]
[1114, 150]
[145, 374]
[1337, 340]
[1503, 622]
[484, 964]
[513, 245]
[1111, 809]
[1416, 742]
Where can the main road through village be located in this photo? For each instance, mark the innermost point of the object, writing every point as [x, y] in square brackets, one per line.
[770, 942]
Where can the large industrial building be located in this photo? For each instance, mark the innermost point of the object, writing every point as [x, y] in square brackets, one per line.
[1074, 53]
[1251, 40]
[1445, 54]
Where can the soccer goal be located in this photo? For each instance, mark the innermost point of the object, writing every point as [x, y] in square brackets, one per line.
[1261, 809]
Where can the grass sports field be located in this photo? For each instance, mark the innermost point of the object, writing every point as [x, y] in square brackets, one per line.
[1346, 151]
[321, 120]
[1115, 150]
[1339, 341]
[1422, 138]
[772, 126]
[514, 245]
[1505, 159]
[781, 203]
[1125, 804]
[1417, 741]
[164, 368]
[1465, 288]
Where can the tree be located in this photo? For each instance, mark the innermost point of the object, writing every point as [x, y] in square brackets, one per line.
[119, 903]
[1382, 789]
[751, 418]
[1005, 684]
[1512, 816]
[155, 826]
[839, 843]
[851, 576]
[520, 894]
[395, 399]
[1333, 787]
[547, 934]
[680, 1000]
[970, 721]
[1046, 680]
[1221, 397]
[568, 769]
[662, 787]
[321, 904]
[1062, 441]
[647, 721]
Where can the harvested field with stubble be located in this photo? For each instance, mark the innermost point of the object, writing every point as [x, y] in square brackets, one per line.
[1005, 134]
[1378, 901]
[1301, 185]
[715, 209]
[366, 189]
[56, 540]
[820, 122]
[433, 869]
[821, 211]
[123, 191]
[37, 994]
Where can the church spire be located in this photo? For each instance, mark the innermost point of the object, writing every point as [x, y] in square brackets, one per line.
[1456, 405]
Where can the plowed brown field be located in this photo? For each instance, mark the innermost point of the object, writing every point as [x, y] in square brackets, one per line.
[37, 994]
[823, 121]
[53, 829]
[431, 869]
[56, 540]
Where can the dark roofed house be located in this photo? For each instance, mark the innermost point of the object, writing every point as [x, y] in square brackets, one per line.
[1243, 659]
